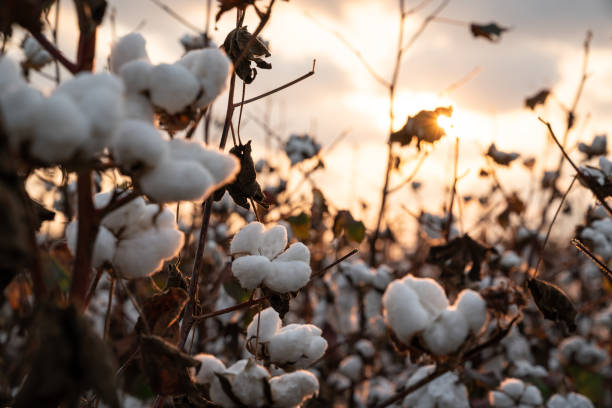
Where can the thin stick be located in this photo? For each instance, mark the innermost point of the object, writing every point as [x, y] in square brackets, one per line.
[109, 308]
[176, 16]
[425, 23]
[240, 111]
[246, 304]
[450, 21]
[135, 304]
[586, 251]
[128, 361]
[449, 222]
[535, 275]
[598, 194]
[55, 52]
[280, 88]
[92, 290]
[55, 39]
[351, 48]
[462, 81]
[336, 262]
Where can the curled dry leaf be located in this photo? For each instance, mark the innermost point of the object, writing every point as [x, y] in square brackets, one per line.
[501, 158]
[423, 126]
[162, 312]
[455, 256]
[491, 31]
[245, 186]
[537, 99]
[234, 45]
[167, 366]
[554, 304]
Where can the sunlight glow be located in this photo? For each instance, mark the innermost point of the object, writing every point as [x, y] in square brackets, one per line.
[448, 124]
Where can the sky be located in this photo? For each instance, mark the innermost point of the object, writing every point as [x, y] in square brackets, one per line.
[542, 49]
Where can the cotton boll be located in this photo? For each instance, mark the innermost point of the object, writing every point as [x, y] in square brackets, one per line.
[531, 396]
[571, 400]
[431, 294]
[251, 270]
[269, 324]
[296, 252]
[137, 106]
[104, 247]
[172, 87]
[248, 385]
[9, 74]
[210, 366]
[365, 348]
[273, 241]
[351, 367]
[473, 308]
[447, 333]
[246, 241]
[513, 387]
[143, 254]
[290, 390]
[58, 129]
[403, 311]
[222, 166]
[104, 109]
[127, 214]
[136, 75]
[500, 400]
[84, 83]
[138, 143]
[129, 47]
[211, 67]
[218, 396]
[17, 105]
[292, 345]
[172, 181]
[287, 276]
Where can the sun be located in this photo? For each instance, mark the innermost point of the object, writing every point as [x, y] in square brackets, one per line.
[446, 123]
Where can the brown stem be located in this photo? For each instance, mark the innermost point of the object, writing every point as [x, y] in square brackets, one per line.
[280, 88]
[55, 52]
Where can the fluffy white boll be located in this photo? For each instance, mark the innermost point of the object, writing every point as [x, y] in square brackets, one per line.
[210, 366]
[172, 180]
[297, 345]
[129, 47]
[9, 74]
[269, 324]
[136, 75]
[137, 144]
[211, 67]
[290, 390]
[104, 248]
[17, 105]
[172, 87]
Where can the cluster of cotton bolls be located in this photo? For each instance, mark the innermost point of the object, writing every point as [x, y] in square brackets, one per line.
[571, 400]
[248, 381]
[292, 346]
[444, 392]
[301, 147]
[78, 120]
[419, 306]
[599, 233]
[578, 350]
[513, 392]
[136, 238]
[345, 282]
[36, 56]
[601, 175]
[260, 259]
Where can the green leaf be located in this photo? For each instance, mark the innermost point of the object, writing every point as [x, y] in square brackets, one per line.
[300, 225]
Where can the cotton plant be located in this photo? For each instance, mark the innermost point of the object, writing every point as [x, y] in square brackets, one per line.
[301, 147]
[260, 259]
[445, 391]
[36, 56]
[578, 350]
[135, 239]
[292, 346]
[419, 306]
[247, 381]
[513, 392]
[571, 400]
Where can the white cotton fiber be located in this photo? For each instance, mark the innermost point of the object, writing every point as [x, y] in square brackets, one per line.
[119, 219]
[297, 345]
[136, 75]
[172, 181]
[273, 241]
[351, 367]
[431, 294]
[447, 333]
[500, 400]
[210, 366]
[531, 396]
[571, 400]
[473, 308]
[143, 254]
[248, 384]
[290, 390]
[211, 67]
[513, 387]
[172, 87]
[104, 247]
[223, 167]
[287, 276]
[269, 324]
[246, 241]
[9, 74]
[251, 270]
[138, 144]
[103, 108]
[137, 106]
[17, 104]
[296, 252]
[403, 311]
[82, 84]
[58, 129]
[129, 47]
[35, 53]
